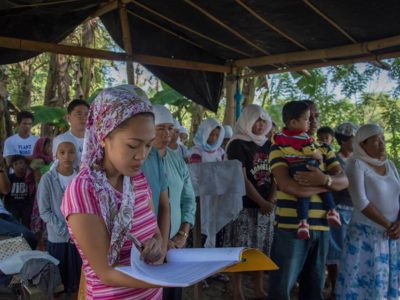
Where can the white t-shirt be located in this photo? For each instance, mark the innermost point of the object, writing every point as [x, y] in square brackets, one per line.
[16, 145]
[65, 180]
[78, 142]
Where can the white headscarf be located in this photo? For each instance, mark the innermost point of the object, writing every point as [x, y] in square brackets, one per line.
[203, 133]
[228, 131]
[162, 115]
[243, 128]
[365, 132]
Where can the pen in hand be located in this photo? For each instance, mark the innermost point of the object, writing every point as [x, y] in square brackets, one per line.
[136, 242]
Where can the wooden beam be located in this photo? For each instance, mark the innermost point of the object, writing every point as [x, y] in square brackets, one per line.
[219, 22]
[329, 20]
[126, 38]
[190, 29]
[364, 48]
[28, 45]
[165, 29]
[367, 58]
[103, 9]
[270, 25]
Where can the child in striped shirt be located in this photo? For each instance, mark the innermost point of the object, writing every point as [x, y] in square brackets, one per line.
[301, 151]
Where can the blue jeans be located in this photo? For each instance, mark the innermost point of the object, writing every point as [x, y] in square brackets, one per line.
[9, 226]
[298, 260]
[303, 203]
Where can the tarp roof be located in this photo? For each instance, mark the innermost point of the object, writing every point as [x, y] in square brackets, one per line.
[217, 32]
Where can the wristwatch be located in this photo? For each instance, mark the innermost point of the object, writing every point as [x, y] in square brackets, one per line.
[328, 181]
[181, 232]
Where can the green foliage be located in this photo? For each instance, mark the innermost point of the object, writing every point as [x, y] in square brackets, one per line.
[50, 116]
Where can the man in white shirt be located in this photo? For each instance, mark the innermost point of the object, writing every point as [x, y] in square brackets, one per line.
[23, 142]
[77, 115]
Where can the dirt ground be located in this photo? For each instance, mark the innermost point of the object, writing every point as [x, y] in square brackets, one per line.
[218, 290]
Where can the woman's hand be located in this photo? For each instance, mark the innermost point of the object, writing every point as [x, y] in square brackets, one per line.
[394, 230]
[266, 208]
[152, 251]
[314, 177]
[179, 240]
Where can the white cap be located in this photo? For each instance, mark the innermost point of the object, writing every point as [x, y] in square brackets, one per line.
[228, 131]
[183, 130]
[162, 115]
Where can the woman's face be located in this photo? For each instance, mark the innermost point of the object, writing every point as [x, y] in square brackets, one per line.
[375, 146]
[259, 127]
[127, 147]
[314, 119]
[164, 134]
[213, 137]
[347, 145]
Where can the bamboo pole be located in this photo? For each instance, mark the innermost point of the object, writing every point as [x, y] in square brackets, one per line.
[28, 45]
[126, 38]
[327, 53]
[367, 58]
[269, 24]
[229, 28]
[165, 29]
[103, 9]
[152, 11]
[329, 20]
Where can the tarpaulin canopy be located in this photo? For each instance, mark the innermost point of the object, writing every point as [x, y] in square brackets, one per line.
[260, 36]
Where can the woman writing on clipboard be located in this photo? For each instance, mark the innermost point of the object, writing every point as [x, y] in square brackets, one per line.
[109, 201]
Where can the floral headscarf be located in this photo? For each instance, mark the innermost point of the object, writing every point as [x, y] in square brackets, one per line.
[244, 125]
[109, 109]
[203, 133]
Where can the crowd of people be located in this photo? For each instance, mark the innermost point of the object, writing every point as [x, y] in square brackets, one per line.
[120, 177]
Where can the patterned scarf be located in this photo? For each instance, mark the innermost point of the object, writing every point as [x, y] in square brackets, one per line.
[110, 108]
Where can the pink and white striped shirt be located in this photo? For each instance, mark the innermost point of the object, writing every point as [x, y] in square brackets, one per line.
[80, 198]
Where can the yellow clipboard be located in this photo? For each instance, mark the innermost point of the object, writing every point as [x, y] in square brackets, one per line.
[252, 260]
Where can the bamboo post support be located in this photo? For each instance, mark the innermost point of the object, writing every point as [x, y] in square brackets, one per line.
[368, 58]
[126, 37]
[35, 46]
[363, 48]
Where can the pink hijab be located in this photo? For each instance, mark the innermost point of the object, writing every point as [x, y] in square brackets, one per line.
[109, 109]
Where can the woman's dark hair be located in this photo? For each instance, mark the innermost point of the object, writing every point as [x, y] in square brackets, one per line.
[23, 114]
[326, 129]
[340, 138]
[293, 110]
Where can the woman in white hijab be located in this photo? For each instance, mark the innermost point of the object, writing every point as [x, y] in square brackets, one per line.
[369, 268]
[207, 142]
[254, 226]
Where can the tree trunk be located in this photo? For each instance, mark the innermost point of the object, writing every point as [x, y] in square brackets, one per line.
[25, 70]
[84, 68]
[248, 91]
[229, 118]
[197, 116]
[5, 122]
[57, 86]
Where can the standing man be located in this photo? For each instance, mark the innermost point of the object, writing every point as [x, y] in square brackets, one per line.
[302, 260]
[77, 113]
[23, 142]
